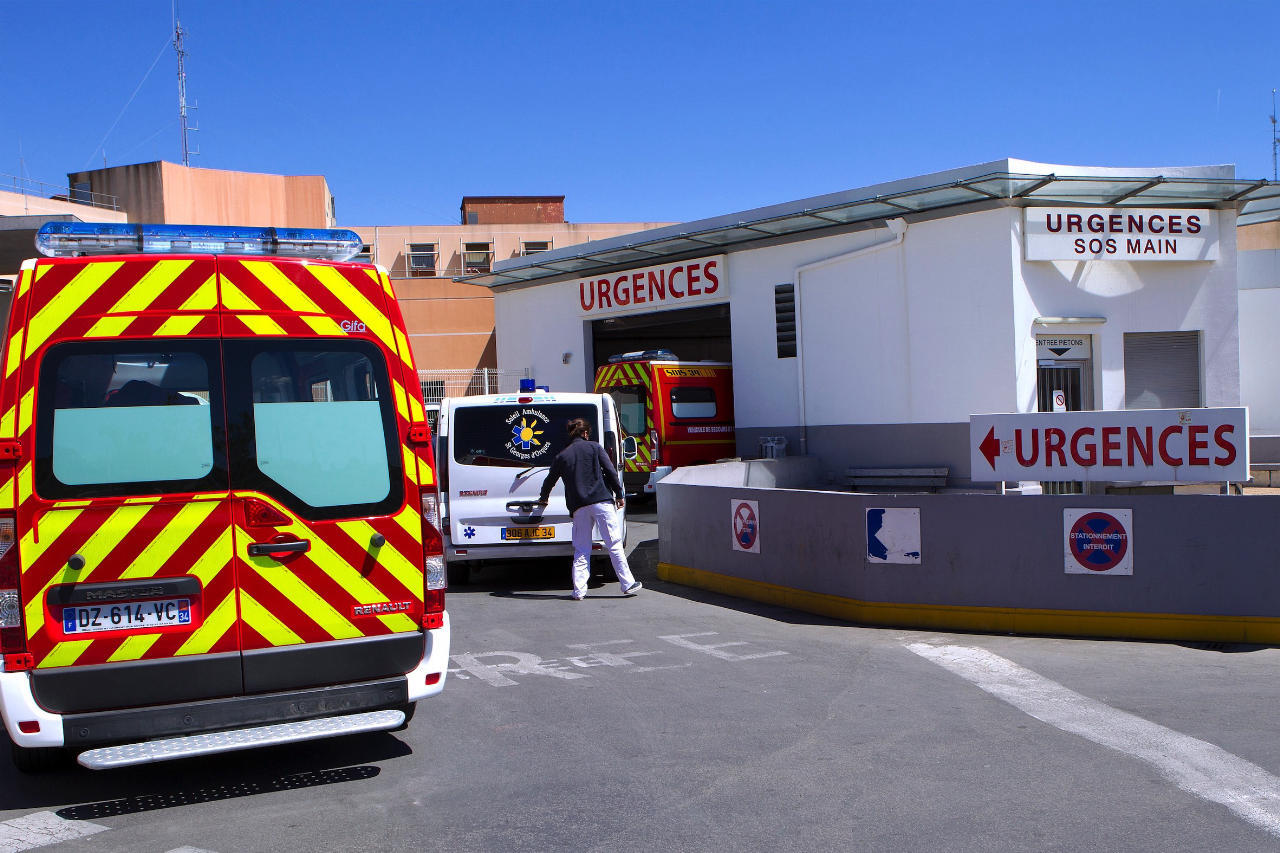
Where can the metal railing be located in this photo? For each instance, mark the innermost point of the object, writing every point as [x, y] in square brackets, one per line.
[438, 384]
[40, 189]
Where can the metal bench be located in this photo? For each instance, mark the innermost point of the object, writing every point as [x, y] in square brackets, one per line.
[890, 479]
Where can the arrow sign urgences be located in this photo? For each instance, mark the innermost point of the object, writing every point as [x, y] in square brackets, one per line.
[1160, 445]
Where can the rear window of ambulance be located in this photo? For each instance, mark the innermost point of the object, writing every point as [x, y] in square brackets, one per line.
[313, 424]
[516, 435]
[119, 419]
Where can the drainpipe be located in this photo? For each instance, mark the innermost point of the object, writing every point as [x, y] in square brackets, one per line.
[897, 227]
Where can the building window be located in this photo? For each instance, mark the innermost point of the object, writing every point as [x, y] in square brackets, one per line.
[477, 258]
[365, 256]
[533, 247]
[784, 319]
[81, 192]
[1162, 370]
[422, 260]
[473, 218]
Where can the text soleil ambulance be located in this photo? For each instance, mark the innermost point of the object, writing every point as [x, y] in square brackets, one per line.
[494, 452]
[674, 413]
[217, 498]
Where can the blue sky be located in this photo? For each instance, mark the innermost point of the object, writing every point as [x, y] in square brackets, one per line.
[653, 111]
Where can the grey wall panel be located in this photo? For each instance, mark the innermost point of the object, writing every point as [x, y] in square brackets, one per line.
[1191, 554]
[873, 445]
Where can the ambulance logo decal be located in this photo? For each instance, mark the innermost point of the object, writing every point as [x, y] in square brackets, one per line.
[527, 428]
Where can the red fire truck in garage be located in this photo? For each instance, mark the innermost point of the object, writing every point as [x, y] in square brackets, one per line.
[673, 413]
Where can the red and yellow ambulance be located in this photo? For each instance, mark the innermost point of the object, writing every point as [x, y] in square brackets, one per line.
[674, 413]
[218, 508]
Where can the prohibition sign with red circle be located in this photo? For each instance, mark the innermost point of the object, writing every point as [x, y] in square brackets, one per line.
[1098, 541]
[745, 526]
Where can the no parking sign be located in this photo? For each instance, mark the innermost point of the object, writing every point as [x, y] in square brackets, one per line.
[1098, 541]
[745, 520]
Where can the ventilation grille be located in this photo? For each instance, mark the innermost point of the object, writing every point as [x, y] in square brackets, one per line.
[784, 313]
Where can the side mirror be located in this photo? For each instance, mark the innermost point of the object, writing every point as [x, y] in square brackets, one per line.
[629, 447]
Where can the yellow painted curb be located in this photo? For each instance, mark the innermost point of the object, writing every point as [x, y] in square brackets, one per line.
[1262, 630]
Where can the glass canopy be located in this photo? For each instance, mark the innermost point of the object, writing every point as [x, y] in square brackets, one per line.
[1256, 201]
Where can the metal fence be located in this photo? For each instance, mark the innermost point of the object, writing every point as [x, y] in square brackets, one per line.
[438, 384]
[40, 189]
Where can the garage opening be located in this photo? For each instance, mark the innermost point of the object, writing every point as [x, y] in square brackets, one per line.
[693, 334]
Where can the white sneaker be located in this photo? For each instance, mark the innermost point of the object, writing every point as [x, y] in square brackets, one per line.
[634, 588]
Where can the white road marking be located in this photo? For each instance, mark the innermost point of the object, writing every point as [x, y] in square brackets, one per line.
[1194, 765]
[521, 662]
[190, 850]
[714, 649]
[40, 829]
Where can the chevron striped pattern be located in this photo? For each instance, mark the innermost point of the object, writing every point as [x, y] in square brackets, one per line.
[247, 602]
[632, 373]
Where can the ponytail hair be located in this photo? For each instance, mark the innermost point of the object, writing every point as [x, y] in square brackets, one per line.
[577, 428]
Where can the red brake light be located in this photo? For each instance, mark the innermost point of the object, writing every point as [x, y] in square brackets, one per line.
[433, 551]
[13, 637]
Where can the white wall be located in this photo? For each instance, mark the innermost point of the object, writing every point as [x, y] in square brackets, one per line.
[1259, 355]
[906, 333]
[1133, 296]
[1258, 273]
[930, 331]
[535, 326]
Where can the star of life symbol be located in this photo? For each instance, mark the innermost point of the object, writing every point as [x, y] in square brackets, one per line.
[526, 434]
[469, 532]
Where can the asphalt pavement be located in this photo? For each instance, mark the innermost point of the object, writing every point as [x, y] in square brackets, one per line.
[682, 720]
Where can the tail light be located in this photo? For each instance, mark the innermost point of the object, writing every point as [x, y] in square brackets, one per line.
[433, 549]
[13, 637]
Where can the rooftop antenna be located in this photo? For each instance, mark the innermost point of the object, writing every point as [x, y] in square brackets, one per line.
[1275, 140]
[182, 86]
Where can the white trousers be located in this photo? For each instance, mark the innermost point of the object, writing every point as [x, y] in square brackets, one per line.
[605, 518]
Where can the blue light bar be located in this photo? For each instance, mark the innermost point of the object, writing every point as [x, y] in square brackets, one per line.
[73, 239]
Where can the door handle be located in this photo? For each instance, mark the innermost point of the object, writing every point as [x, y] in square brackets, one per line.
[522, 506]
[270, 549]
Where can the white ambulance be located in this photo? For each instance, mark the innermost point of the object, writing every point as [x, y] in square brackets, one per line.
[493, 452]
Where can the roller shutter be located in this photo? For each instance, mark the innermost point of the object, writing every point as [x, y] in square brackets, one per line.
[1162, 370]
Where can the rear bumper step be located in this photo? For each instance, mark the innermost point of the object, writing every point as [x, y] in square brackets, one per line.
[210, 743]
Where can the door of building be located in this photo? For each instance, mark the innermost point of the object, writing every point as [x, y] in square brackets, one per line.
[1063, 374]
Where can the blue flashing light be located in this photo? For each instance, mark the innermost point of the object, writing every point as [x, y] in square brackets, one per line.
[527, 386]
[644, 355]
[73, 239]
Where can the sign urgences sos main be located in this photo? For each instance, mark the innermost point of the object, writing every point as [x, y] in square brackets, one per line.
[1120, 234]
[677, 285]
[1163, 445]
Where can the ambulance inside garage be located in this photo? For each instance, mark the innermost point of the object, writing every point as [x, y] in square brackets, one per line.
[691, 334]
[866, 326]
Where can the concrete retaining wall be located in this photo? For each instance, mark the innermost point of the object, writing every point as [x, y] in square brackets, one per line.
[1204, 567]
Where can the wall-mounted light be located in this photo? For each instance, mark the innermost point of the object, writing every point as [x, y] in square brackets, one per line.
[566, 358]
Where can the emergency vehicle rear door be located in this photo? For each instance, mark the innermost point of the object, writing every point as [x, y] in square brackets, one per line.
[124, 516]
[327, 526]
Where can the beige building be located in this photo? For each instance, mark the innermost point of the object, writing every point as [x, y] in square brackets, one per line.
[25, 205]
[168, 192]
[450, 324]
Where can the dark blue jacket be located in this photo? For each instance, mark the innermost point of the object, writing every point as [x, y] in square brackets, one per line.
[588, 474]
